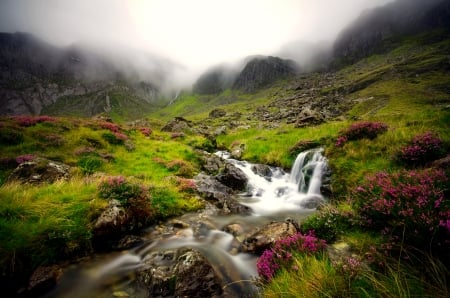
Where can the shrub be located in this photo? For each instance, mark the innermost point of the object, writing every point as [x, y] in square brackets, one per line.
[328, 223]
[177, 135]
[361, 130]
[280, 255]
[112, 127]
[118, 188]
[181, 167]
[32, 120]
[24, 158]
[408, 205]
[422, 149]
[89, 164]
[145, 131]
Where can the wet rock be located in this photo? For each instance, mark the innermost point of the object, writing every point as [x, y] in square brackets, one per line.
[40, 170]
[217, 113]
[233, 177]
[205, 283]
[178, 124]
[211, 163]
[267, 235]
[234, 229]
[129, 241]
[179, 224]
[220, 195]
[43, 279]
[180, 273]
[262, 170]
[112, 222]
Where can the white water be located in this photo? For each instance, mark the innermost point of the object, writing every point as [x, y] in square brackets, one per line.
[284, 192]
[270, 198]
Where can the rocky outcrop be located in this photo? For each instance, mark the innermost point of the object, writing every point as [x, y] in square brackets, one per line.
[40, 170]
[233, 177]
[268, 235]
[112, 221]
[43, 279]
[217, 113]
[369, 33]
[178, 124]
[170, 274]
[262, 71]
[36, 78]
[222, 196]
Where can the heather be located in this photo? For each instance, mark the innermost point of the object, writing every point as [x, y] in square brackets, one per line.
[407, 206]
[281, 254]
[422, 149]
[361, 130]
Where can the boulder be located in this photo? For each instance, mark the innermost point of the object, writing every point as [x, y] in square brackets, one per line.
[211, 163]
[237, 151]
[205, 284]
[308, 117]
[217, 113]
[43, 279]
[40, 170]
[233, 177]
[179, 273]
[267, 235]
[221, 195]
[262, 170]
[178, 124]
[112, 222]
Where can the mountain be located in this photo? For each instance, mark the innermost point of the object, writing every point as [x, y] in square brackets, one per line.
[36, 77]
[374, 31]
[258, 72]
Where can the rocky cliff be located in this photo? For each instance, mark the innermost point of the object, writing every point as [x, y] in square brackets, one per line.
[35, 76]
[261, 71]
[374, 30]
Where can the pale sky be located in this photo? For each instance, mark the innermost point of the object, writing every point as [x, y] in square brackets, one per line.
[195, 33]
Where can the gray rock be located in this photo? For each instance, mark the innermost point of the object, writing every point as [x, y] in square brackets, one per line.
[267, 235]
[112, 222]
[40, 170]
[233, 177]
[217, 113]
[43, 279]
[178, 124]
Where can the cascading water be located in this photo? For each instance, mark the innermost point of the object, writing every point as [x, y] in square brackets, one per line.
[273, 196]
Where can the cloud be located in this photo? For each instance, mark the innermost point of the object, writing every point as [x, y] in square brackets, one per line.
[195, 33]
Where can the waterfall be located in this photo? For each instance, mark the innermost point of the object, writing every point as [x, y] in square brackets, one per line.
[308, 170]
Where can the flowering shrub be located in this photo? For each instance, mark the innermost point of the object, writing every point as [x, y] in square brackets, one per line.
[423, 148]
[145, 131]
[24, 158]
[181, 167]
[184, 184]
[281, 253]
[361, 130]
[408, 205]
[112, 127]
[348, 267]
[118, 188]
[328, 223]
[32, 120]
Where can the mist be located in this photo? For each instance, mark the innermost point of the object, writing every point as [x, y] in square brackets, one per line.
[183, 38]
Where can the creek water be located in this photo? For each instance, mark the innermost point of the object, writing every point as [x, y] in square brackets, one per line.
[273, 197]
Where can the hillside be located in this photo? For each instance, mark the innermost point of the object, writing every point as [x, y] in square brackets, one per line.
[39, 78]
[381, 112]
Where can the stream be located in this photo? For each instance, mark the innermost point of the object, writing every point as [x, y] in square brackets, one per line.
[273, 197]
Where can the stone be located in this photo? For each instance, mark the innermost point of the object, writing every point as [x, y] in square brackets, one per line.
[308, 117]
[211, 163]
[262, 170]
[43, 279]
[237, 151]
[205, 284]
[312, 202]
[40, 170]
[267, 235]
[178, 124]
[217, 113]
[112, 221]
[233, 177]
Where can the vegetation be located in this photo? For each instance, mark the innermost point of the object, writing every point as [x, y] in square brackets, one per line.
[390, 202]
